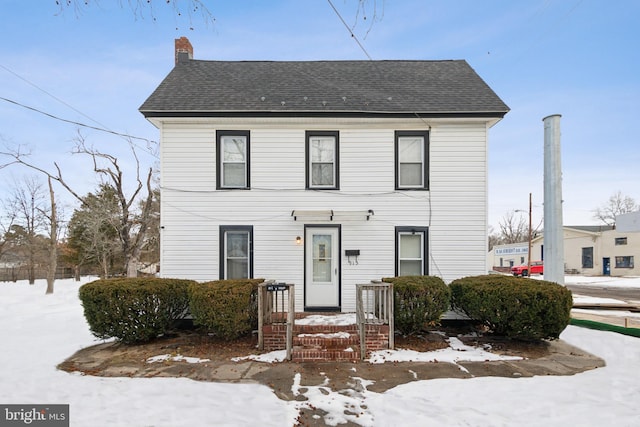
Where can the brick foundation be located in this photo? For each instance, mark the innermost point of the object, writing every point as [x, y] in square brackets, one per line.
[274, 337]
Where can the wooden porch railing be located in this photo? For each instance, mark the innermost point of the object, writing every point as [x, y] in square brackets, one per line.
[276, 305]
[374, 306]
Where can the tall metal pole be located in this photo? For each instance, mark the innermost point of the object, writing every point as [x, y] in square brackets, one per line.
[529, 251]
[553, 229]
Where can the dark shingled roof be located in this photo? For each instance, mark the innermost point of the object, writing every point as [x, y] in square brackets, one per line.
[591, 228]
[427, 88]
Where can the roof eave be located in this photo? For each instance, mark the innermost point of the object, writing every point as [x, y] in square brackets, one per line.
[315, 113]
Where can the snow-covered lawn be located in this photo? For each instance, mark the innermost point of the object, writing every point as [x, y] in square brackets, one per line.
[602, 281]
[39, 331]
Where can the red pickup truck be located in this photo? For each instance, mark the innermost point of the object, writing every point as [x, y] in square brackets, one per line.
[537, 267]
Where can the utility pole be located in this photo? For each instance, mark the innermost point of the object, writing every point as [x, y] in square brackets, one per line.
[529, 251]
[553, 230]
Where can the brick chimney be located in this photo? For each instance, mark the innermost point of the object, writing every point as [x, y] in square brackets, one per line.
[184, 50]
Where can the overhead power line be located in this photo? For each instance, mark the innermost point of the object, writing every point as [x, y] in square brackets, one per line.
[50, 94]
[101, 128]
[73, 122]
[353, 36]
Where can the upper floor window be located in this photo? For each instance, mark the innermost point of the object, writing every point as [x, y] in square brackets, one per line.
[621, 241]
[322, 159]
[412, 160]
[233, 159]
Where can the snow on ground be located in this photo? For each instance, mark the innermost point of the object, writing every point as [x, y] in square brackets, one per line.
[602, 281]
[456, 352]
[271, 357]
[39, 331]
[613, 313]
[318, 319]
[176, 358]
[584, 299]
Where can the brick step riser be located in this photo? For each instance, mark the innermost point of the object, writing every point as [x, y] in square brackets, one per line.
[324, 329]
[320, 356]
[327, 343]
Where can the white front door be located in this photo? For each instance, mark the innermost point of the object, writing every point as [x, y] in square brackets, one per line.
[322, 277]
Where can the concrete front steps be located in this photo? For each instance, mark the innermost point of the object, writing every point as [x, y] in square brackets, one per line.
[317, 343]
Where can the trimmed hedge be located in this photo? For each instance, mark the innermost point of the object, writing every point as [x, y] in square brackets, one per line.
[526, 309]
[134, 309]
[227, 308]
[418, 300]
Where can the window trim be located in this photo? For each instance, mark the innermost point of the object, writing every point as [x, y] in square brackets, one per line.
[399, 230]
[425, 160]
[224, 229]
[219, 159]
[336, 159]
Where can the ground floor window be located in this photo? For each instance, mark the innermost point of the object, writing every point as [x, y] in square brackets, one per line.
[236, 252]
[587, 257]
[411, 251]
[624, 262]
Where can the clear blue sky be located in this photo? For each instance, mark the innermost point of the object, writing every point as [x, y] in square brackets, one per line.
[577, 58]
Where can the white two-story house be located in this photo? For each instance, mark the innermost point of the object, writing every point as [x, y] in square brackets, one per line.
[323, 174]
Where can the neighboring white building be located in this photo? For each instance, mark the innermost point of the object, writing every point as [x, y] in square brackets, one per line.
[590, 250]
[324, 174]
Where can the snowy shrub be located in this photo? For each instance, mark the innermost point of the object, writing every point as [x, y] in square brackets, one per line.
[226, 308]
[133, 309]
[525, 309]
[418, 301]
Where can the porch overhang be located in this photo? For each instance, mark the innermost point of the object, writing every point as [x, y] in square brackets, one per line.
[331, 215]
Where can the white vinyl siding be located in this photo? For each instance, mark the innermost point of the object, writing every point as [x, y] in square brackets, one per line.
[192, 209]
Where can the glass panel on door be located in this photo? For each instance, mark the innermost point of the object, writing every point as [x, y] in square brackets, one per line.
[322, 265]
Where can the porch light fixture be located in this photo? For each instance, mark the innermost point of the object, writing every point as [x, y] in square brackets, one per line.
[298, 240]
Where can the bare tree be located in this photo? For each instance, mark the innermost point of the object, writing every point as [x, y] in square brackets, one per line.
[7, 219]
[29, 209]
[53, 238]
[494, 238]
[513, 228]
[617, 204]
[142, 9]
[132, 229]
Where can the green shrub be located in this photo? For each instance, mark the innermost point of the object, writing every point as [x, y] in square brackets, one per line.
[418, 300]
[526, 309]
[227, 308]
[133, 309]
